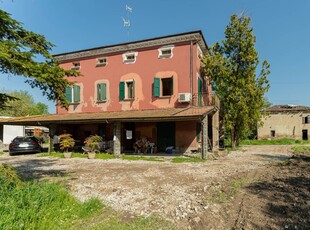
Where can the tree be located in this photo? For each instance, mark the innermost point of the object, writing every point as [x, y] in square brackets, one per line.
[19, 51]
[232, 69]
[23, 105]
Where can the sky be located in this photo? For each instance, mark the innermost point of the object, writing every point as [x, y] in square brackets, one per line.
[281, 28]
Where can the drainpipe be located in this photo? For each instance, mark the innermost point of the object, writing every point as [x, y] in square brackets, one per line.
[191, 71]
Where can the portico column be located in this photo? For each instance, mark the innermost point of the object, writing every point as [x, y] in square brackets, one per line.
[117, 139]
[52, 131]
[204, 141]
[215, 131]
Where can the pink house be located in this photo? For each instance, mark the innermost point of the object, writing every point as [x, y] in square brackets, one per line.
[150, 88]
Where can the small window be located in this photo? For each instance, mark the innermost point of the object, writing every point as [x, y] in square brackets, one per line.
[101, 61]
[130, 57]
[163, 87]
[101, 92]
[165, 52]
[73, 94]
[272, 133]
[305, 120]
[127, 90]
[76, 66]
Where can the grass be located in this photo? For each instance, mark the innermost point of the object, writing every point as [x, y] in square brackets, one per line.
[136, 158]
[43, 205]
[301, 149]
[187, 160]
[283, 141]
[102, 156]
[1, 153]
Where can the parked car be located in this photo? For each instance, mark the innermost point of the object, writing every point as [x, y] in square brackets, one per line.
[25, 144]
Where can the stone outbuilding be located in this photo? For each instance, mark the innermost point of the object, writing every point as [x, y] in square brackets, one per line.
[290, 121]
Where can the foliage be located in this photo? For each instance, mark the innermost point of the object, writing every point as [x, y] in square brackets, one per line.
[283, 141]
[23, 105]
[19, 51]
[232, 69]
[39, 205]
[187, 160]
[93, 142]
[66, 141]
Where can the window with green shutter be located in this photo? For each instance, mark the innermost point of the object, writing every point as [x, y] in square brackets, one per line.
[101, 92]
[76, 93]
[156, 87]
[69, 94]
[122, 90]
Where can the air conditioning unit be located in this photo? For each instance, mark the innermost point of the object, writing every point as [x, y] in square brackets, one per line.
[184, 97]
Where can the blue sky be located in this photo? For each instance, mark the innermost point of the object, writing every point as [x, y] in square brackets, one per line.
[281, 27]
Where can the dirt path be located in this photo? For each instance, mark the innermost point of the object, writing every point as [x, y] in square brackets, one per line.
[177, 192]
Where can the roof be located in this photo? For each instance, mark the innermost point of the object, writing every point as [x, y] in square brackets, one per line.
[170, 114]
[122, 47]
[287, 108]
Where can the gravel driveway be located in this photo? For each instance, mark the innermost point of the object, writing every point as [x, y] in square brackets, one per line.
[173, 191]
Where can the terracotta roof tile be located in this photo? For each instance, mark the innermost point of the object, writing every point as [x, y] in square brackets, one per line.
[133, 115]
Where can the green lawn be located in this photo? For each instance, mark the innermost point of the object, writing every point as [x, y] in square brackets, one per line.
[43, 205]
[283, 141]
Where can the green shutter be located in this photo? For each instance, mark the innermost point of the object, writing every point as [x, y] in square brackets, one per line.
[69, 94]
[76, 93]
[101, 92]
[156, 87]
[199, 91]
[121, 90]
[198, 131]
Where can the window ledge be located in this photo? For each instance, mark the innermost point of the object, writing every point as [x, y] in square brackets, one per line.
[74, 103]
[101, 101]
[165, 56]
[101, 64]
[163, 97]
[128, 99]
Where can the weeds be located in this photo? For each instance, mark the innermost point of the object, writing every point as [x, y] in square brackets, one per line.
[301, 149]
[283, 141]
[187, 160]
[135, 158]
[223, 196]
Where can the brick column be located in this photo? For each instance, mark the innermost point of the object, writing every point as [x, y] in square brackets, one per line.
[215, 131]
[204, 141]
[117, 139]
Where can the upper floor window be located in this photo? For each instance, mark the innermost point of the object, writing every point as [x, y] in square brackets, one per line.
[101, 92]
[165, 52]
[305, 120]
[126, 90]
[76, 65]
[163, 87]
[101, 61]
[130, 57]
[73, 94]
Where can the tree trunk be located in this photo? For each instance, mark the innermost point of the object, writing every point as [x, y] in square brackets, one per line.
[233, 140]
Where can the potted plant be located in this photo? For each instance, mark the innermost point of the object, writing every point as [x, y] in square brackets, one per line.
[92, 142]
[66, 142]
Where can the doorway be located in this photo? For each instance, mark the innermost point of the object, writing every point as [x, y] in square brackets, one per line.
[165, 135]
[128, 135]
[305, 134]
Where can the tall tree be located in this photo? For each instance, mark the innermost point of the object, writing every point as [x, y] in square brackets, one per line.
[232, 68]
[24, 105]
[19, 52]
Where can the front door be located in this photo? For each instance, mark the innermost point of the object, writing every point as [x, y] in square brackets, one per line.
[305, 134]
[165, 135]
[128, 135]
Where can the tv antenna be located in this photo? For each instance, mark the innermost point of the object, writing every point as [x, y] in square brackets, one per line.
[126, 20]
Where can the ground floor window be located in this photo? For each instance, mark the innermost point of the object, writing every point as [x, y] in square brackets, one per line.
[272, 133]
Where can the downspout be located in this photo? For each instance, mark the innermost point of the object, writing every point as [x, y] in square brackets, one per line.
[191, 71]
